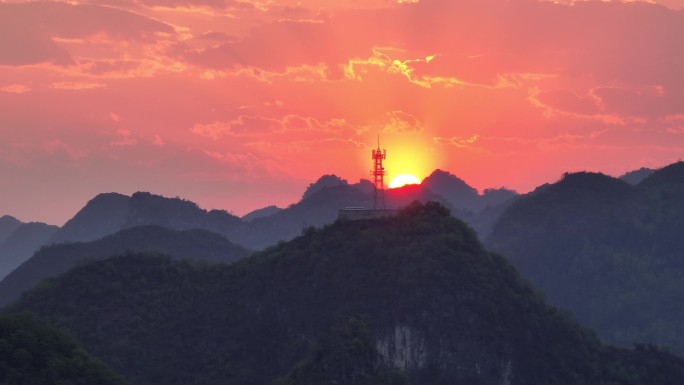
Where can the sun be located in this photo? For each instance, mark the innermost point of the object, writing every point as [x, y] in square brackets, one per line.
[402, 180]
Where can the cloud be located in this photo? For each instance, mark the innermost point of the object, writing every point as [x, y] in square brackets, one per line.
[567, 101]
[400, 122]
[460, 142]
[16, 89]
[29, 32]
[77, 86]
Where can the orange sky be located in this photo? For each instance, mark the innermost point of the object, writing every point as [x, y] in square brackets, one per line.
[237, 104]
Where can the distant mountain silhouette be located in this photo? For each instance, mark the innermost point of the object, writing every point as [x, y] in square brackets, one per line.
[669, 177]
[454, 189]
[635, 177]
[411, 298]
[260, 213]
[103, 215]
[7, 226]
[325, 181]
[494, 197]
[22, 243]
[609, 252]
[178, 214]
[108, 213]
[51, 261]
[317, 209]
[462, 196]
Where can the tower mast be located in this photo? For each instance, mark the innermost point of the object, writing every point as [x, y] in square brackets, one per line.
[378, 174]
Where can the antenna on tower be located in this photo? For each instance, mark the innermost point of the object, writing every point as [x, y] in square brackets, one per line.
[378, 174]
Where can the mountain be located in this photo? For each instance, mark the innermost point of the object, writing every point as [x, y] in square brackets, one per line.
[260, 213]
[178, 214]
[325, 181]
[111, 212]
[496, 197]
[452, 188]
[200, 245]
[322, 207]
[635, 177]
[414, 298]
[33, 352]
[22, 243]
[317, 209]
[103, 215]
[7, 226]
[609, 252]
[462, 196]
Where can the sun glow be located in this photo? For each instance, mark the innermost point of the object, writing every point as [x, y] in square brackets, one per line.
[403, 180]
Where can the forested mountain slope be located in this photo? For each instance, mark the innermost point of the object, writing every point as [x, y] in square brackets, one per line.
[413, 298]
[609, 252]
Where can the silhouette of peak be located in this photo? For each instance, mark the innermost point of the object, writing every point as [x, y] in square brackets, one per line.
[672, 174]
[590, 182]
[637, 176]
[102, 215]
[8, 224]
[328, 180]
[261, 213]
[441, 181]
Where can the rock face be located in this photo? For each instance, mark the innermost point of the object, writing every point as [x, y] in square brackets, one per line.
[404, 349]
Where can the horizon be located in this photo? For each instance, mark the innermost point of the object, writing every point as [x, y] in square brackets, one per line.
[240, 105]
[299, 198]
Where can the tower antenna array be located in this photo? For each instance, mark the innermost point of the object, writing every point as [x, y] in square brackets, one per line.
[378, 174]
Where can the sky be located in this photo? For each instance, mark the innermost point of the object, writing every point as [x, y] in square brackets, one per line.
[239, 104]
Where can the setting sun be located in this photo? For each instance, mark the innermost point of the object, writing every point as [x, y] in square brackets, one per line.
[402, 180]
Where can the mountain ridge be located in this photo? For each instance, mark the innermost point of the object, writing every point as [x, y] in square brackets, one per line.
[195, 244]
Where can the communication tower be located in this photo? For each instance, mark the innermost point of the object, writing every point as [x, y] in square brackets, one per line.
[378, 174]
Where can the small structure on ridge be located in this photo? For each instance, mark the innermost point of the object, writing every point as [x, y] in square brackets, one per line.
[379, 211]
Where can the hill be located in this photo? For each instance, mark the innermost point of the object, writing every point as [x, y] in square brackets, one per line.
[103, 215]
[53, 260]
[22, 243]
[260, 213]
[7, 226]
[462, 196]
[178, 214]
[609, 252]
[635, 177]
[412, 298]
[33, 352]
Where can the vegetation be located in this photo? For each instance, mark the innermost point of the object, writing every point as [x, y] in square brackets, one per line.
[412, 298]
[34, 353]
[609, 252]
